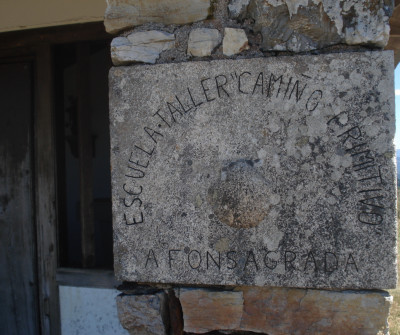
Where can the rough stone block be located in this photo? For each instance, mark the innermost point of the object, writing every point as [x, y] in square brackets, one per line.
[296, 311]
[235, 41]
[306, 25]
[205, 310]
[203, 41]
[144, 46]
[142, 314]
[266, 172]
[123, 14]
[286, 311]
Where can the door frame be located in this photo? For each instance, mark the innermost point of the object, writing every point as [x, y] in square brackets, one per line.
[44, 205]
[36, 45]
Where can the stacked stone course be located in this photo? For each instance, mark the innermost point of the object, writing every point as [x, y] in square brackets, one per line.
[247, 310]
[174, 31]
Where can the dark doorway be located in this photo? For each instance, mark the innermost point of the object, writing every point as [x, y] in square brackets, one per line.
[83, 145]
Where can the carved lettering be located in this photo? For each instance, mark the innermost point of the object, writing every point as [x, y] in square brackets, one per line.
[209, 256]
[371, 218]
[132, 202]
[131, 192]
[354, 133]
[362, 158]
[162, 118]
[206, 89]
[193, 102]
[272, 81]
[221, 84]
[136, 174]
[151, 134]
[299, 93]
[145, 151]
[137, 162]
[240, 82]
[259, 83]
[288, 86]
[251, 259]
[268, 262]
[373, 202]
[193, 259]
[290, 256]
[376, 177]
[230, 259]
[313, 100]
[351, 262]
[170, 256]
[151, 257]
[173, 110]
[310, 260]
[133, 222]
[330, 262]
[182, 106]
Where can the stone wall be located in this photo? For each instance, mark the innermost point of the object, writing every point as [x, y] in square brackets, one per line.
[247, 310]
[157, 32]
[177, 30]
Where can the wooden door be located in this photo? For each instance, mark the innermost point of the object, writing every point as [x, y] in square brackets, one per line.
[19, 312]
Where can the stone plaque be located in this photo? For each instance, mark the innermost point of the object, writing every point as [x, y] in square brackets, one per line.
[268, 172]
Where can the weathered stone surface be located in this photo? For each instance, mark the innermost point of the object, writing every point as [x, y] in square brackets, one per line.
[306, 25]
[286, 311]
[235, 41]
[123, 14]
[203, 41]
[142, 314]
[206, 310]
[307, 140]
[294, 311]
[144, 46]
[244, 209]
[237, 7]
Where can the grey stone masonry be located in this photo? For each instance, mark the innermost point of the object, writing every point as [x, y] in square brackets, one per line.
[301, 25]
[265, 171]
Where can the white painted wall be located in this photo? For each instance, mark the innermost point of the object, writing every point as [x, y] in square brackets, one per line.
[89, 311]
